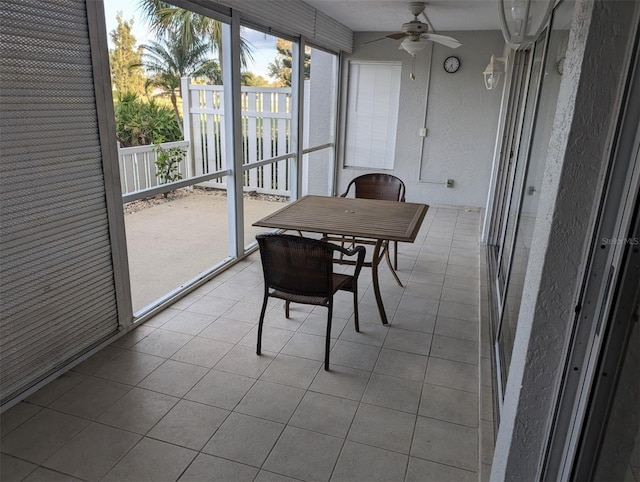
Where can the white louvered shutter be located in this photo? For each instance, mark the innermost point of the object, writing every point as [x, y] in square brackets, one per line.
[57, 293]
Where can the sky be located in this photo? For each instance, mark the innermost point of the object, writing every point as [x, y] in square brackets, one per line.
[264, 50]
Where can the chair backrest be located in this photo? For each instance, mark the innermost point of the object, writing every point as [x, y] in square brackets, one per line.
[297, 265]
[378, 186]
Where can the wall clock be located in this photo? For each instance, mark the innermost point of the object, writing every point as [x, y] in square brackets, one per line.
[451, 64]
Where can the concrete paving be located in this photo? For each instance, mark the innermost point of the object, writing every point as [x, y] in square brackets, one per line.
[173, 241]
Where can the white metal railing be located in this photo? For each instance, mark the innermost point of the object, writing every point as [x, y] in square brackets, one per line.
[138, 170]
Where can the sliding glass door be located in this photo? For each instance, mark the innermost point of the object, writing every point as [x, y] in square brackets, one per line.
[506, 271]
[534, 76]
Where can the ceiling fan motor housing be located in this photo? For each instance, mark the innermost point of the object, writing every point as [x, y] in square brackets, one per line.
[415, 27]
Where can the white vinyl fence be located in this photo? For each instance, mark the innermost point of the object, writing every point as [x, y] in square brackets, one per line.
[266, 128]
[138, 170]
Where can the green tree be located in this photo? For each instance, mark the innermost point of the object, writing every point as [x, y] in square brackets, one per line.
[167, 61]
[252, 80]
[190, 27]
[280, 68]
[125, 58]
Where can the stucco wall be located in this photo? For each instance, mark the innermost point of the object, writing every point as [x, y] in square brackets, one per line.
[461, 117]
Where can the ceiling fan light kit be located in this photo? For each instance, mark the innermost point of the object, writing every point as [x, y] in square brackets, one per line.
[522, 21]
[413, 47]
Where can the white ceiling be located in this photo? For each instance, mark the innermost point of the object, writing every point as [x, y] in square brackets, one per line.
[389, 15]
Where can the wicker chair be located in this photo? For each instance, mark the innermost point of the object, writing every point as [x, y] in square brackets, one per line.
[300, 270]
[379, 186]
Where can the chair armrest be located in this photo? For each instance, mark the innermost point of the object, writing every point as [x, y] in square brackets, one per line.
[361, 251]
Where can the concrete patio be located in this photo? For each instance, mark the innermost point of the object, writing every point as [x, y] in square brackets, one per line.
[185, 397]
[169, 242]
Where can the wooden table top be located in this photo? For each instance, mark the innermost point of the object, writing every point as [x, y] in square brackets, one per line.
[364, 218]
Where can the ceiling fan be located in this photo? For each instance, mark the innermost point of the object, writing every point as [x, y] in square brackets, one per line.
[415, 33]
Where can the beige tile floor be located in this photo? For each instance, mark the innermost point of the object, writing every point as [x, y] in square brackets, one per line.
[185, 397]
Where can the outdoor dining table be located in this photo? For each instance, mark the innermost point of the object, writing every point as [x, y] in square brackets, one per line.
[368, 219]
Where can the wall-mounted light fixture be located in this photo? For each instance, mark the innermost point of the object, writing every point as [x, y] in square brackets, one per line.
[522, 21]
[493, 71]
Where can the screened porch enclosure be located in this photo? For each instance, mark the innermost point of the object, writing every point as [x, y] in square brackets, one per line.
[236, 166]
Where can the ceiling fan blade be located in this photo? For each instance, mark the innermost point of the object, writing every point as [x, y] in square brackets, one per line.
[442, 39]
[375, 40]
[397, 36]
[393, 36]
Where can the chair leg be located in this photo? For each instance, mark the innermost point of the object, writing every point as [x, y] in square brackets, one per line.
[262, 312]
[355, 308]
[286, 309]
[395, 255]
[327, 343]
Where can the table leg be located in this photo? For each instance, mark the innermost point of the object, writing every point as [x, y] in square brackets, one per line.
[393, 271]
[375, 261]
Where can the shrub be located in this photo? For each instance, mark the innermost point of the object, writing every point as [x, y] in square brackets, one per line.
[139, 122]
[167, 164]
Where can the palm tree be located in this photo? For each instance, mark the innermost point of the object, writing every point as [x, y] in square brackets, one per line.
[164, 17]
[167, 60]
